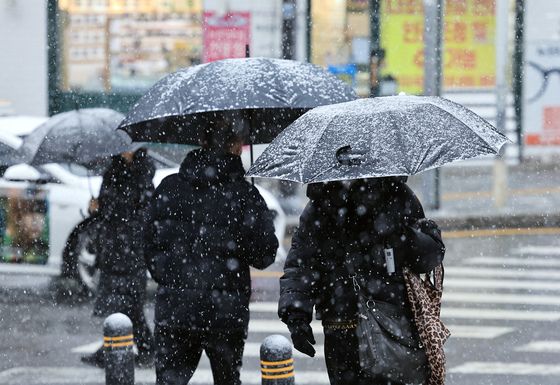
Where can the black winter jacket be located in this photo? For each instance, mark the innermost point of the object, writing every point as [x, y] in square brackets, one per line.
[344, 231]
[125, 191]
[207, 226]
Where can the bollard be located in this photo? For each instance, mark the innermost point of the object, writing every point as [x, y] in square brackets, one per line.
[277, 364]
[117, 345]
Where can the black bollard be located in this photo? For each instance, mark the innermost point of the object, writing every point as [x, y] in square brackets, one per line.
[277, 364]
[117, 345]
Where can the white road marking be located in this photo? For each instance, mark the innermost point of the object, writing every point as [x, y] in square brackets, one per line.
[27, 375]
[507, 368]
[87, 348]
[540, 347]
[252, 349]
[499, 298]
[505, 261]
[460, 271]
[499, 314]
[524, 285]
[260, 325]
[553, 251]
[478, 332]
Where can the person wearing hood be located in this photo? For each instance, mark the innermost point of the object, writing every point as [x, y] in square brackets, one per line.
[343, 232]
[207, 226]
[119, 219]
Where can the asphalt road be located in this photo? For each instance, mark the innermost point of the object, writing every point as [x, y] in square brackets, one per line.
[501, 302]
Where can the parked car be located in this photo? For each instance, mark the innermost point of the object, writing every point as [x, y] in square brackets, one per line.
[51, 204]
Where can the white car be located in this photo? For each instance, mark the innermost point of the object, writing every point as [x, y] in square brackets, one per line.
[48, 203]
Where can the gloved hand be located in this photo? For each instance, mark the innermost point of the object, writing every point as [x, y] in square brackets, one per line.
[302, 336]
[429, 227]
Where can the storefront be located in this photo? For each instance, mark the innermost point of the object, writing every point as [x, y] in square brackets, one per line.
[341, 39]
[108, 52]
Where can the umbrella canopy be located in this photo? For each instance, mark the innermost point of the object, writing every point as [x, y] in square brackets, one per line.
[81, 136]
[385, 136]
[9, 156]
[269, 93]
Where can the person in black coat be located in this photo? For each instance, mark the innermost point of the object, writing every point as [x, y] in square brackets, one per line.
[343, 231]
[118, 244]
[207, 226]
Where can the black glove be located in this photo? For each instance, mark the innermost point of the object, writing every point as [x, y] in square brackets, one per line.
[302, 337]
[427, 226]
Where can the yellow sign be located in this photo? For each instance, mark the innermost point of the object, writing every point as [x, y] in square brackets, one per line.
[469, 51]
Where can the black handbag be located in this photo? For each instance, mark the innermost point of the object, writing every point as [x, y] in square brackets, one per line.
[389, 344]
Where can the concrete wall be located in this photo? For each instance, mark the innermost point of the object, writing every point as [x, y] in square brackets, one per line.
[23, 56]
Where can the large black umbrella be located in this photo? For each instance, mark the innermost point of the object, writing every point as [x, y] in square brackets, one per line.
[81, 136]
[385, 136]
[266, 93]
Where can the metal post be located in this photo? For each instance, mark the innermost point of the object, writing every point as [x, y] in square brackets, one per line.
[308, 27]
[374, 47]
[288, 29]
[433, 71]
[500, 167]
[277, 364]
[518, 74]
[117, 344]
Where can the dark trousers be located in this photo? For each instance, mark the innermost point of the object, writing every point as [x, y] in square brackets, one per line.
[178, 352]
[343, 361]
[142, 333]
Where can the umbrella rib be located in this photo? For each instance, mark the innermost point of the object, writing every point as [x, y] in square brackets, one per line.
[312, 153]
[476, 133]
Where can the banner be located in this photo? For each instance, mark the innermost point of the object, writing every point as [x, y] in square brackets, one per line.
[24, 229]
[225, 36]
[541, 82]
[469, 53]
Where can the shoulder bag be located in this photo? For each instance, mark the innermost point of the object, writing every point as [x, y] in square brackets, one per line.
[389, 345]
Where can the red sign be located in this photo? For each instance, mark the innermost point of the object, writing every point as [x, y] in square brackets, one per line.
[225, 36]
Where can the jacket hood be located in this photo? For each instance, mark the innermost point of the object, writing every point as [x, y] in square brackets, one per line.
[203, 166]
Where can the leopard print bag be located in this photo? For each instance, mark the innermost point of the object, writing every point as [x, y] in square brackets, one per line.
[425, 300]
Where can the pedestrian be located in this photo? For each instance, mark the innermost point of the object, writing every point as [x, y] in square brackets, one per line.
[207, 226]
[345, 232]
[118, 244]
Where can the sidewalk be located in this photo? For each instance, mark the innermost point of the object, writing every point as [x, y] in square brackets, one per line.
[533, 198]
[467, 203]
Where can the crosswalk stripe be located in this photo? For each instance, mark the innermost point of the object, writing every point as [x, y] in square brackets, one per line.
[553, 251]
[499, 314]
[507, 368]
[547, 346]
[525, 285]
[67, 375]
[457, 331]
[258, 325]
[252, 349]
[505, 261]
[478, 332]
[499, 298]
[460, 271]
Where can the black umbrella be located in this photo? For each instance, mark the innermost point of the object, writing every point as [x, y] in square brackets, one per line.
[267, 93]
[9, 156]
[385, 136]
[81, 136]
